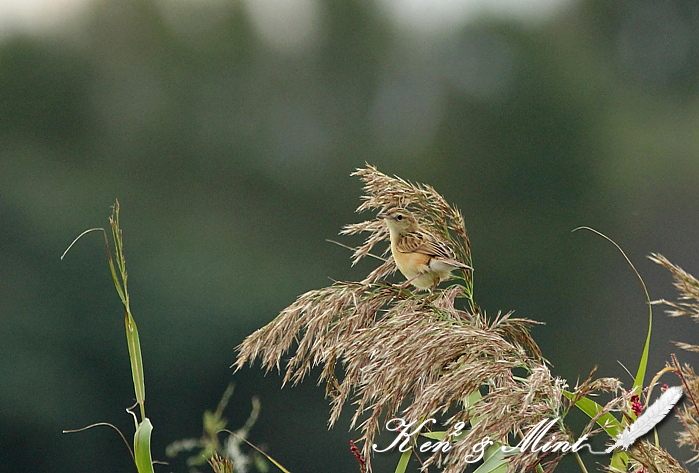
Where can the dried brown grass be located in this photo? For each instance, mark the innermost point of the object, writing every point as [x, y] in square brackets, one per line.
[687, 305]
[394, 353]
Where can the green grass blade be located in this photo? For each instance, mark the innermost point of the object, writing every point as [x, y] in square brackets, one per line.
[141, 447]
[117, 285]
[620, 459]
[607, 421]
[136, 362]
[403, 461]
[641, 373]
[275, 463]
[496, 463]
[436, 435]
[272, 460]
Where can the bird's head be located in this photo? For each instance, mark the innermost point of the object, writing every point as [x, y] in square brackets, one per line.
[399, 220]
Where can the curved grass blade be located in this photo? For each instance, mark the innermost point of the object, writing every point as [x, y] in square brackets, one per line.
[141, 444]
[136, 361]
[608, 422]
[272, 460]
[495, 463]
[403, 461]
[642, 365]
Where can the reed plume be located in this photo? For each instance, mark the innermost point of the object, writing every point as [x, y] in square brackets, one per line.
[687, 305]
[395, 353]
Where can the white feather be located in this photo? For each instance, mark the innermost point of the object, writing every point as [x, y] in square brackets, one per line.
[649, 419]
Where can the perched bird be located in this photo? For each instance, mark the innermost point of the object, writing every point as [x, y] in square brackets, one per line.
[422, 258]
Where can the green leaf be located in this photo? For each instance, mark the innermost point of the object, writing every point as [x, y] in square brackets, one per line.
[607, 421]
[496, 463]
[403, 461]
[136, 361]
[434, 435]
[141, 447]
[117, 285]
[275, 463]
[641, 373]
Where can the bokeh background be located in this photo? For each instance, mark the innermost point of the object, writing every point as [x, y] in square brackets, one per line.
[228, 129]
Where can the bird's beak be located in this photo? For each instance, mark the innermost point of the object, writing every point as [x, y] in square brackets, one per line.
[381, 216]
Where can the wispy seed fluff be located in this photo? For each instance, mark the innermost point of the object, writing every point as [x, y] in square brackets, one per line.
[395, 353]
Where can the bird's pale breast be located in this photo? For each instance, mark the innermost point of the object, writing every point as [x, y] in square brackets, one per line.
[411, 264]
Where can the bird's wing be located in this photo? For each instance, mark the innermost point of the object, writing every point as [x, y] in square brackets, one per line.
[426, 244]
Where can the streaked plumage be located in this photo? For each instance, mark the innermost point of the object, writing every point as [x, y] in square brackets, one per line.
[423, 259]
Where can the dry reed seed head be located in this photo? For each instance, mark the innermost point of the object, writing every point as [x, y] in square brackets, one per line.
[380, 273]
[220, 464]
[433, 212]
[406, 355]
[606, 384]
[620, 403]
[687, 305]
[506, 409]
[687, 437]
[687, 285]
[687, 346]
[687, 414]
[516, 330]
[692, 380]
[458, 360]
[590, 386]
[654, 459]
[315, 321]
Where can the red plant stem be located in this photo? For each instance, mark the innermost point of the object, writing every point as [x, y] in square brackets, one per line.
[684, 381]
[689, 392]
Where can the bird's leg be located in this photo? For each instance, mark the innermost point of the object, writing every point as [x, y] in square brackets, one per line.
[433, 287]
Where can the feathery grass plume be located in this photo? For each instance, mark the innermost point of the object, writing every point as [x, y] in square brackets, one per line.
[653, 459]
[433, 212]
[687, 305]
[592, 387]
[395, 353]
[220, 464]
[511, 405]
[688, 415]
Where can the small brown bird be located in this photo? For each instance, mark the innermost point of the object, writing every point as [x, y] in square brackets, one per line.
[422, 258]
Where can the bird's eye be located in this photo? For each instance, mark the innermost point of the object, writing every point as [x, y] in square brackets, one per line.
[399, 217]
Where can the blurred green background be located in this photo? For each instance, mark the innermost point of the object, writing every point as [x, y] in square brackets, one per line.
[228, 130]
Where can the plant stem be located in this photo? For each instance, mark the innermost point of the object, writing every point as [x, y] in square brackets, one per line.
[580, 462]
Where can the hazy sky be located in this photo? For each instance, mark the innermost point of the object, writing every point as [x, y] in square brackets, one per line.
[274, 16]
[37, 15]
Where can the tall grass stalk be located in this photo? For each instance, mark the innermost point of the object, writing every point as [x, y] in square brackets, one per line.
[117, 268]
